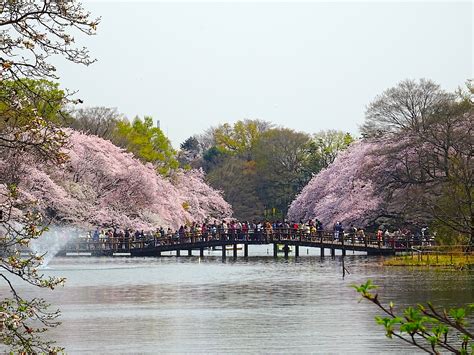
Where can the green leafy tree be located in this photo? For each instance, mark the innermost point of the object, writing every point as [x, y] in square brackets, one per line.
[213, 158]
[276, 162]
[191, 144]
[282, 162]
[147, 142]
[239, 138]
[325, 146]
[238, 178]
[281, 157]
[45, 99]
[191, 153]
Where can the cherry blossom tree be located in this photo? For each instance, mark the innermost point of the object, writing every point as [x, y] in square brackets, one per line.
[341, 192]
[416, 169]
[431, 152]
[200, 200]
[103, 185]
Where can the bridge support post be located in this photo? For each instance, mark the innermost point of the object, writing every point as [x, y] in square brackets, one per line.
[322, 251]
[158, 253]
[343, 251]
[297, 251]
[275, 250]
[286, 249]
[223, 251]
[333, 252]
[178, 252]
[235, 250]
[190, 252]
[246, 250]
[201, 252]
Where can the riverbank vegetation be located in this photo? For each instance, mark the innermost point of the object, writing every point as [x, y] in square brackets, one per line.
[456, 260]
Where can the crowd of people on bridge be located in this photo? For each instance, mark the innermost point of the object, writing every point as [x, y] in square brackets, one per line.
[264, 231]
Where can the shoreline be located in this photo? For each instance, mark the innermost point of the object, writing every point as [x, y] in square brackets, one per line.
[451, 261]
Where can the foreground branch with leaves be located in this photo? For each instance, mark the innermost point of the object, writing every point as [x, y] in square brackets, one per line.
[22, 320]
[31, 33]
[425, 327]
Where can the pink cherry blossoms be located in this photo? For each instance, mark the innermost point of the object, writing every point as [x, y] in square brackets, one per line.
[103, 185]
[342, 192]
[201, 200]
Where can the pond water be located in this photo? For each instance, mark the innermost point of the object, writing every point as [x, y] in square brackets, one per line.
[244, 305]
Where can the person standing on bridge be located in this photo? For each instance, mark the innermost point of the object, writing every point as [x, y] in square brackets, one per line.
[204, 232]
[353, 233]
[245, 230]
[268, 231]
[338, 230]
[320, 229]
[379, 237]
[225, 230]
[301, 230]
[214, 230]
[238, 229]
[258, 231]
[361, 236]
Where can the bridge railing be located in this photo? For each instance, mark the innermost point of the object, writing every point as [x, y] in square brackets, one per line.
[119, 244]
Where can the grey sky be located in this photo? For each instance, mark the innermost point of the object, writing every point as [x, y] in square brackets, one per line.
[307, 65]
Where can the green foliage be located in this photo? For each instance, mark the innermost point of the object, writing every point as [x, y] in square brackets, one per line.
[270, 164]
[191, 144]
[45, 98]
[147, 143]
[213, 157]
[239, 138]
[425, 327]
[365, 289]
[281, 157]
[452, 208]
[445, 235]
[231, 168]
[238, 178]
[325, 146]
[29, 120]
[446, 256]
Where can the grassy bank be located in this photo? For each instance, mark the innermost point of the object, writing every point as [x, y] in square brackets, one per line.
[452, 260]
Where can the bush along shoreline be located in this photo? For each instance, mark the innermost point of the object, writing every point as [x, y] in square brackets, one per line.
[456, 259]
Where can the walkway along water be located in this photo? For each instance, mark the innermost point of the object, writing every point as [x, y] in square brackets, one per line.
[154, 246]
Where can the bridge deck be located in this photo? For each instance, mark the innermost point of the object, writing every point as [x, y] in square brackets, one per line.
[155, 246]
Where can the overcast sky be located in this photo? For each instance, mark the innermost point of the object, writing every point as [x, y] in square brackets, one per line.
[309, 65]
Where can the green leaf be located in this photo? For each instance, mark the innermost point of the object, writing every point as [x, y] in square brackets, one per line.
[433, 340]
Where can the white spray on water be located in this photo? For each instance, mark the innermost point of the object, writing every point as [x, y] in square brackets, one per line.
[53, 240]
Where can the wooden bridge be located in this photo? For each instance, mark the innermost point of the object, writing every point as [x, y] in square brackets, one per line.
[281, 239]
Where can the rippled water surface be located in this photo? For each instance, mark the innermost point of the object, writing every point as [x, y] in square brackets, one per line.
[259, 304]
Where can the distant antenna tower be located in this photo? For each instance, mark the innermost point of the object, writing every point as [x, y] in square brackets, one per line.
[158, 123]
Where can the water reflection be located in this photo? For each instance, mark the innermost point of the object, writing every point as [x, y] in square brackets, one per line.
[240, 306]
